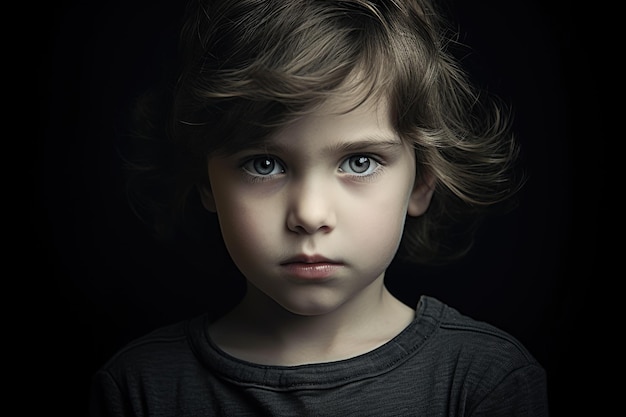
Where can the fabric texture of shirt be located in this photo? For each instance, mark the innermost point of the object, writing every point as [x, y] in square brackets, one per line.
[442, 364]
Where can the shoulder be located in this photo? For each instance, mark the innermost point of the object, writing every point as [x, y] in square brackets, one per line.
[492, 368]
[148, 371]
[489, 355]
[155, 352]
[456, 331]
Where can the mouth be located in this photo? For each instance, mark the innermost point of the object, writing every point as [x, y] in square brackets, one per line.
[311, 267]
[309, 259]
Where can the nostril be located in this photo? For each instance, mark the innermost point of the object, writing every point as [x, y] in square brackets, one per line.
[310, 207]
[311, 224]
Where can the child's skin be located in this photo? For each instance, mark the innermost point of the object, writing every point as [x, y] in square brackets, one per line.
[309, 192]
[317, 134]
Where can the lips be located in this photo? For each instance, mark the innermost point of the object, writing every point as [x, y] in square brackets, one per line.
[311, 266]
[309, 259]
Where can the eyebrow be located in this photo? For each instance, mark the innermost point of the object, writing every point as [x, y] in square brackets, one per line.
[377, 143]
[348, 146]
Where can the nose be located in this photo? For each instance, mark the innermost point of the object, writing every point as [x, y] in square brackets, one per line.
[311, 208]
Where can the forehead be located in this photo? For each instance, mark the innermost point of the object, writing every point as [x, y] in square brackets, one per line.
[357, 109]
[342, 116]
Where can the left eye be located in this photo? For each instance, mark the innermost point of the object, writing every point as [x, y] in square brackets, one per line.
[263, 166]
[359, 165]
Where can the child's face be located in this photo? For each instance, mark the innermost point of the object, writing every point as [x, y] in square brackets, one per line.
[315, 215]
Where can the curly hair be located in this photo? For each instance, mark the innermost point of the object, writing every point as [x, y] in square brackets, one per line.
[250, 67]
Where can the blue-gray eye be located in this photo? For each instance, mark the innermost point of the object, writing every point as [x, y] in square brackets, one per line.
[263, 166]
[359, 165]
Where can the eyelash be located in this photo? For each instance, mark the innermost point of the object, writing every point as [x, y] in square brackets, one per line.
[249, 170]
[364, 177]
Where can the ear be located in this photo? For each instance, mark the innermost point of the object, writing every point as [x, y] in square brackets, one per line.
[420, 197]
[206, 196]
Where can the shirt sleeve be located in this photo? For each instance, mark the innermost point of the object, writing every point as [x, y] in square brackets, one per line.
[522, 393]
[106, 398]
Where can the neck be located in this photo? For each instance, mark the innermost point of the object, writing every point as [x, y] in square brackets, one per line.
[260, 330]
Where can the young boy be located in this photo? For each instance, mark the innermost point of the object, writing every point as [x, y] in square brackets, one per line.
[326, 136]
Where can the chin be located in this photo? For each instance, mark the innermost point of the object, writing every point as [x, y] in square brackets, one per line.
[310, 308]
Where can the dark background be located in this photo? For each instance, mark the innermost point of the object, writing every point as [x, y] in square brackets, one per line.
[102, 280]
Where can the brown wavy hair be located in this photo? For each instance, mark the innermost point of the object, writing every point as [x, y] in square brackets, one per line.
[249, 67]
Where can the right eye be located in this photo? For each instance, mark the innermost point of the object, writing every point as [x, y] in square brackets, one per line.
[263, 166]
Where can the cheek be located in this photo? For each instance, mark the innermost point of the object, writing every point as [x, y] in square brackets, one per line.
[248, 229]
[378, 222]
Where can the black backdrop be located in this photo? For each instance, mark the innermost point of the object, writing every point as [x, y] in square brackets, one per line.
[105, 281]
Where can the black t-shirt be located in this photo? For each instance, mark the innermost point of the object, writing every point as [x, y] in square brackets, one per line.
[442, 364]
